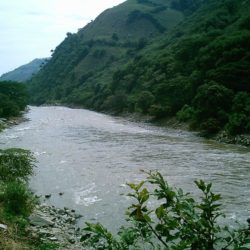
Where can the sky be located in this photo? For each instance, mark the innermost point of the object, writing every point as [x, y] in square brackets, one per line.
[30, 29]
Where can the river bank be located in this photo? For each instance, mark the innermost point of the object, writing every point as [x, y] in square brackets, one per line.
[46, 228]
[222, 136]
[12, 121]
[51, 225]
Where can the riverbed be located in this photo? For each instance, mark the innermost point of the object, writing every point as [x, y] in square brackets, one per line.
[85, 159]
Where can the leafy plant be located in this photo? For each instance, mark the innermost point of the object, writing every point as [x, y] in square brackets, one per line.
[17, 198]
[177, 221]
[48, 246]
[15, 164]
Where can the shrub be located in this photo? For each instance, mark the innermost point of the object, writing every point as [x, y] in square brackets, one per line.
[185, 114]
[17, 198]
[178, 221]
[239, 120]
[210, 99]
[210, 127]
[238, 124]
[117, 103]
[15, 164]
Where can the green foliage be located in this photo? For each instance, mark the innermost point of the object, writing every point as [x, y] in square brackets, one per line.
[212, 101]
[13, 98]
[238, 124]
[137, 15]
[116, 103]
[187, 6]
[8, 107]
[101, 47]
[177, 221]
[187, 113]
[47, 246]
[15, 165]
[17, 198]
[204, 62]
[239, 120]
[144, 101]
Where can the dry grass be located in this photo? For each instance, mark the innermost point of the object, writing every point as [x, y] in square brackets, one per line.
[10, 239]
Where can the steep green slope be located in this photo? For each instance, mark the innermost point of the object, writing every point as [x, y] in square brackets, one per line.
[24, 72]
[201, 72]
[198, 70]
[86, 60]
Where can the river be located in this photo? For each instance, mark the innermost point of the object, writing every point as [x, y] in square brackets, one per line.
[90, 157]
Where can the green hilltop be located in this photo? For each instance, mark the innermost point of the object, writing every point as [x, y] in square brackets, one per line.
[179, 58]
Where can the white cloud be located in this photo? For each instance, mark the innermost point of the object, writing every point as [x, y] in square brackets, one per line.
[31, 28]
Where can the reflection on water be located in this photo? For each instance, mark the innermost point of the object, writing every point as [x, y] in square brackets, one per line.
[90, 156]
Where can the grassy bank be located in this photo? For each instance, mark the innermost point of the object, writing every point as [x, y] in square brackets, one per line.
[16, 200]
[24, 222]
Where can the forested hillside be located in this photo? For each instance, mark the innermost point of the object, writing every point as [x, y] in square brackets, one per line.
[183, 58]
[24, 72]
[86, 61]
[13, 99]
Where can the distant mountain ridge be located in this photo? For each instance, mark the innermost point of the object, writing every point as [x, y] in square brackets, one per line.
[24, 72]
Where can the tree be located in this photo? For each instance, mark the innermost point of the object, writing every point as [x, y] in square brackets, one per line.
[239, 119]
[212, 102]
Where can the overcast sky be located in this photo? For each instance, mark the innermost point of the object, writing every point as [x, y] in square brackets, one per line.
[29, 29]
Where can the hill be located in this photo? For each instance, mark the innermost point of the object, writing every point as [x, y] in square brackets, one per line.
[183, 58]
[87, 59]
[25, 72]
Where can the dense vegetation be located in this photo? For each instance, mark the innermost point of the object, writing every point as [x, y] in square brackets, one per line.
[176, 222]
[16, 200]
[85, 62]
[197, 71]
[13, 99]
[25, 72]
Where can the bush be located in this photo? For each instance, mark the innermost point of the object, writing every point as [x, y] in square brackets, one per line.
[238, 124]
[116, 103]
[177, 222]
[8, 107]
[212, 98]
[185, 114]
[239, 120]
[15, 164]
[17, 198]
[210, 127]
